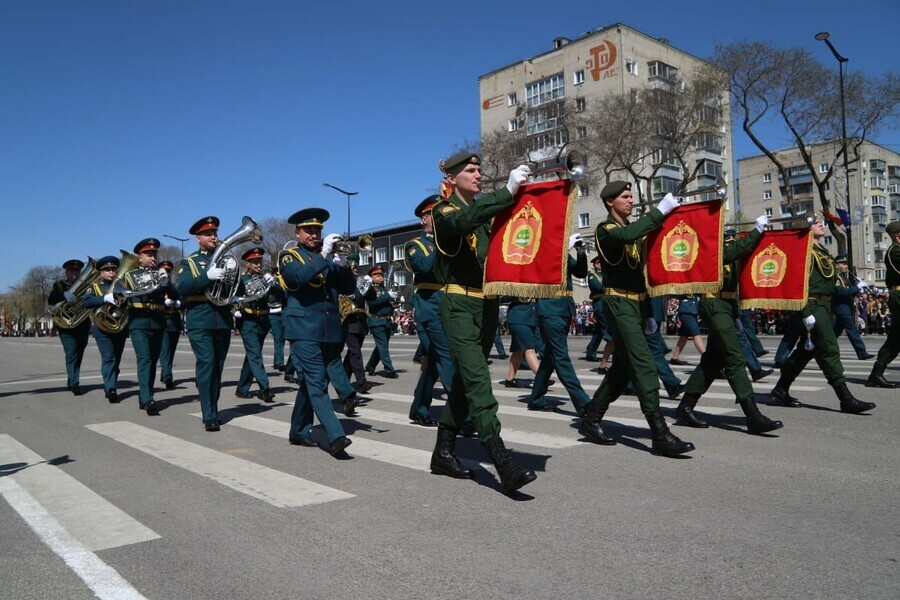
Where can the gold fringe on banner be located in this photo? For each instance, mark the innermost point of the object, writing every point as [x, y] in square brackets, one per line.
[786, 303]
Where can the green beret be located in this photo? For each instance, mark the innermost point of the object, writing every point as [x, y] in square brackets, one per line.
[459, 159]
[893, 227]
[613, 189]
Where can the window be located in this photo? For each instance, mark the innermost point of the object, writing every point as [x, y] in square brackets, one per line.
[631, 66]
[880, 274]
[380, 255]
[400, 278]
[879, 200]
[397, 252]
[709, 142]
[584, 220]
[513, 125]
[664, 185]
[365, 257]
[660, 70]
[579, 77]
[767, 195]
[877, 182]
[580, 104]
[582, 132]
[512, 99]
[543, 119]
[768, 212]
[583, 190]
[827, 240]
[767, 178]
[545, 91]
[823, 168]
[710, 168]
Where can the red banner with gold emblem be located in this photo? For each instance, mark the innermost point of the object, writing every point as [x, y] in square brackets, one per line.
[684, 256]
[776, 274]
[529, 244]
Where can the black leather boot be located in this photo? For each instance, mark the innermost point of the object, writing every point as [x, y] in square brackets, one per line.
[512, 476]
[663, 441]
[684, 414]
[876, 377]
[781, 394]
[849, 404]
[590, 424]
[443, 459]
[757, 423]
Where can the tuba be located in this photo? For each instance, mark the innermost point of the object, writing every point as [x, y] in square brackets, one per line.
[255, 288]
[222, 291]
[347, 306]
[112, 318]
[67, 314]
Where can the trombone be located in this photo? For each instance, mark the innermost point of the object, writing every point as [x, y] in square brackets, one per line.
[720, 188]
[809, 216]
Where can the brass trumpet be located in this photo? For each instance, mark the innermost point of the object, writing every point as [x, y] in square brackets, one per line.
[574, 166]
[809, 216]
[346, 247]
[720, 189]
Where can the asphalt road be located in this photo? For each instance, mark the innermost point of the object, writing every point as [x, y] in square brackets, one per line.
[104, 501]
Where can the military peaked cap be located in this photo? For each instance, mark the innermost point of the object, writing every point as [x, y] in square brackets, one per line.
[613, 189]
[167, 265]
[255, 252]
[376, 270]
[427, 204]
[841, 258]
[73, 264]
[459, 159]
[107, 262]
[309, 217]
[146, 244]
[204, 225]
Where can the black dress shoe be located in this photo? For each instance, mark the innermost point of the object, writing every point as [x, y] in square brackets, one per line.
[151, 408]
[266, 396]
[244, 395]
[76, 390]
[602, 370]
[307, 442]
[503, 356]
[350, 405]
[290, 379]
[213, 425]
[678, 362]
[363, 387]
[170, 385]
[866, 356]
[761, 374]
[675, 391]
[278, 367]
[112, 396]
[542, 407]
[391, 375]
[514, 383]
[761, 354]
[337, 446]
[423, 420]
[370, 372]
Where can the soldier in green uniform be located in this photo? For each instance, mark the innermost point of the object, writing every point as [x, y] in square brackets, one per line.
[147, 318]
[174, 327]
[74, 340]
[381, 324]
[816, 317]
[110, 344]
[891, 346]
[597, 289]
[724, 353]
[627, 309]
[462, 227]
[208, 325]
[252, 318]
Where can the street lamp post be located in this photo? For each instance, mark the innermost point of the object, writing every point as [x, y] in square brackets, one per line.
[182, 240]
[334, 187]
[822, 36]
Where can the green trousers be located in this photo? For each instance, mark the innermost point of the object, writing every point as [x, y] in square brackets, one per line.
[891, 346]
[826, 351]
[470, 324]
[723, 351]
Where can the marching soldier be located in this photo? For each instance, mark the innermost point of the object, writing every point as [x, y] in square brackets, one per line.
[816, 317]
[420, 256]
[356, 328]
[597, 289]
[209, 325]
[554, 316]
[252, 318]
[724, 353]
[313, 279]
[845, 293]
[174, 326]
[525, 336]
[381, 324]
[891, 347]
[74, 340]
[110, 345]
[276, 300]
[618, 243]
[462, 228]
[147, 319]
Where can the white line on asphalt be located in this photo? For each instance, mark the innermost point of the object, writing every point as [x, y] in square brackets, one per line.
[273, 487]
[103, 580]
[90, 518]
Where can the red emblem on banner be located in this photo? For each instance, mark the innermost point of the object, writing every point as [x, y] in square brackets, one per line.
[769, 267]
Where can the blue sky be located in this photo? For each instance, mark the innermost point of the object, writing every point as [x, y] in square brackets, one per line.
[122, 120]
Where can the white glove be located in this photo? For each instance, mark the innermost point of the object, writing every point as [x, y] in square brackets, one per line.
[69, 296]
[169, 302]
[862, 284]
[575, 240]
[109, 298]
[215, 273]
[340, 260]
[761, 222]
[394, 295]
[329, 242]
[668, 203]
[269, 278]
[237, 314]
[368, 279]
[810, 322]
[178, 304]
[650, 326]
[517, 177]
[163, 277]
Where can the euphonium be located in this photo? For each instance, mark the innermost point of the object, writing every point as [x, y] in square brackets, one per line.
[255, 288]
[223, 290]
[112, 318]
[67, 314]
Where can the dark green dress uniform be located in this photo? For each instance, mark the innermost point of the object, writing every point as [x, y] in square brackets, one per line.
[822, 280]
[723, 352]
[254, 326]
[381, 326]
[73, 340]
[891, 347]
[420, 256]
[276, 300]
[597, 289]
[842, 307]
[174, 327]
[110, 345]
[355, 330]
[554, 316]
[209, 329]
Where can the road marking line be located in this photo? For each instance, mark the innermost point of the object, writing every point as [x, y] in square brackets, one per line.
[273, 487]
[90, 518]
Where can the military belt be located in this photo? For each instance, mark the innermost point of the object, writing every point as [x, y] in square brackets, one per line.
[722, 295]
[597, 297]
[639, 296]
[387, 318]
[462, 290]
[562, 294]
[148, 305]
[255, 311]
[198, 298]
[895, 288]
[820, 297]
[429, 286]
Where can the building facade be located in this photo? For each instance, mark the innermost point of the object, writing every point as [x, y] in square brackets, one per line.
[874, 196]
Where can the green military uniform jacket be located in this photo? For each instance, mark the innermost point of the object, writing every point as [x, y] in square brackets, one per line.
[192, 285]
[381, 308]
[420, 255]
[892, 279]
[619, 247]
[148, 311]
[822, 279]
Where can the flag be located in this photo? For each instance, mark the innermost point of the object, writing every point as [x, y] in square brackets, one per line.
[529, 246]
[776, 274]
[684, 256]
[836, 220]
[845, 216]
